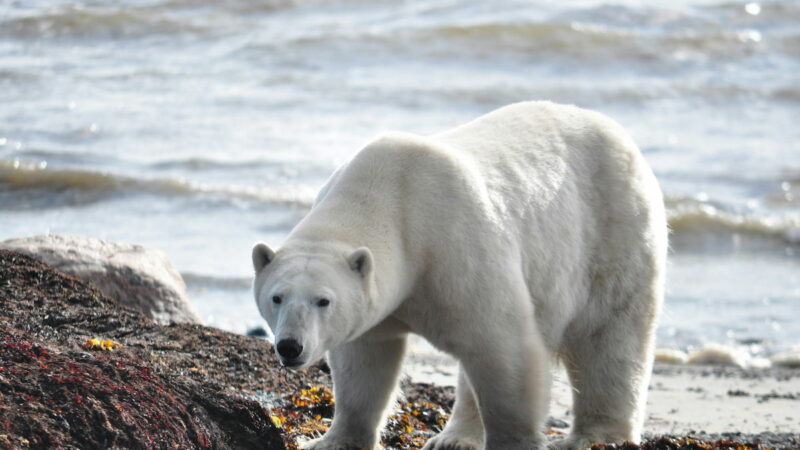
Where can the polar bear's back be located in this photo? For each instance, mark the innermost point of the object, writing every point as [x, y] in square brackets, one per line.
[531, 171]
[540, 156]
[548, 142]
[576, 204]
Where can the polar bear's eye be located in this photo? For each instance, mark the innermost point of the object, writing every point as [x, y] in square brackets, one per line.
[323, 302]
[277, 300]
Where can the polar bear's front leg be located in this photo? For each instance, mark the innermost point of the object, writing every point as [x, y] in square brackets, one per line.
[464, 430]
[510, 375]
[365, 374]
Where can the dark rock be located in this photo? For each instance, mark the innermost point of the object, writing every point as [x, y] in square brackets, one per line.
[53, 393]
[136, 276]
[738, 393]
[552, 422]
[259, 332]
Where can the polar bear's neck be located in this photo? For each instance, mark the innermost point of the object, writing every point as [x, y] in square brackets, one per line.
[343, 225]
[366, 204]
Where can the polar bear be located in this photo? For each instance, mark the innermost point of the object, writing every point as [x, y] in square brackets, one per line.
[533, 234]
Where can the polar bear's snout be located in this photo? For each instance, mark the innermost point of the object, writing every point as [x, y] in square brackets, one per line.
[295, 335]
[313, 301]
[289, 350]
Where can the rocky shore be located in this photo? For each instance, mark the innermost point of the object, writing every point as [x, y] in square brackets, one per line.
[79, 370]
[154, 386]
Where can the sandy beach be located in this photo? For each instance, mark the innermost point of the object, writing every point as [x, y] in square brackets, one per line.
[699, 400]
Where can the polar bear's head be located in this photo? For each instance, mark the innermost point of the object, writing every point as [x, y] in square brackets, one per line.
[313, 299]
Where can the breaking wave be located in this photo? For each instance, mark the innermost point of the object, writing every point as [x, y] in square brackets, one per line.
[17, 176]
[74, 21]
[200, 281]
[556, 40]
[689, 216]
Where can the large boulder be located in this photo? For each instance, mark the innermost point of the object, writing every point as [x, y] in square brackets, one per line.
[139, 277]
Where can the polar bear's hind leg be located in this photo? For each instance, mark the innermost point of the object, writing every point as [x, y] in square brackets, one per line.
[609, 364]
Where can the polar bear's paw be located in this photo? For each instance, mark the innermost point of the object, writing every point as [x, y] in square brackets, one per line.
[448, 441]
[571, 443]
[583, 441]
[325, 443]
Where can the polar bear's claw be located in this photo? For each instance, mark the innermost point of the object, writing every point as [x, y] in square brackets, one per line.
[449, 442]
[571, 443]
[329, 444]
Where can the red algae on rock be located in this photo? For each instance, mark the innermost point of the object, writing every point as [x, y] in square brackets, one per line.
[56, 394]
[686, 443]
[89, 401]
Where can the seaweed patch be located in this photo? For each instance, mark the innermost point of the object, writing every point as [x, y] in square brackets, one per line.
[97, 344]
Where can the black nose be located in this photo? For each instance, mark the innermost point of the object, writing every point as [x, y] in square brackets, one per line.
[289, 348]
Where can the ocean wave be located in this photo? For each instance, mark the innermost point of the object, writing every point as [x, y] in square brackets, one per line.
[239, 6]
[201, 163]
[589, 94]
[14, 75]
[593, 41]
[775, 12]
[19, 176]
[200, 281]
[121, 20]
[625, 33]
[688, 216]
[556, 40]
[45, 156]
[79, 21]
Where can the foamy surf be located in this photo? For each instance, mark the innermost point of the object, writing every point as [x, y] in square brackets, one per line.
[789, 360]
[720, 355]
[724, 355]
[687, 215]
[670, 356]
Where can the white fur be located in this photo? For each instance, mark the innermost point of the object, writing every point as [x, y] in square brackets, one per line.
[532, 233]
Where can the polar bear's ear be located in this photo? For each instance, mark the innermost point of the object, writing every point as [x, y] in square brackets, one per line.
[262, 255]
[361, 261]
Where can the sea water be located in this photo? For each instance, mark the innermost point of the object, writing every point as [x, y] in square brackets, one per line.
[200, 126]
